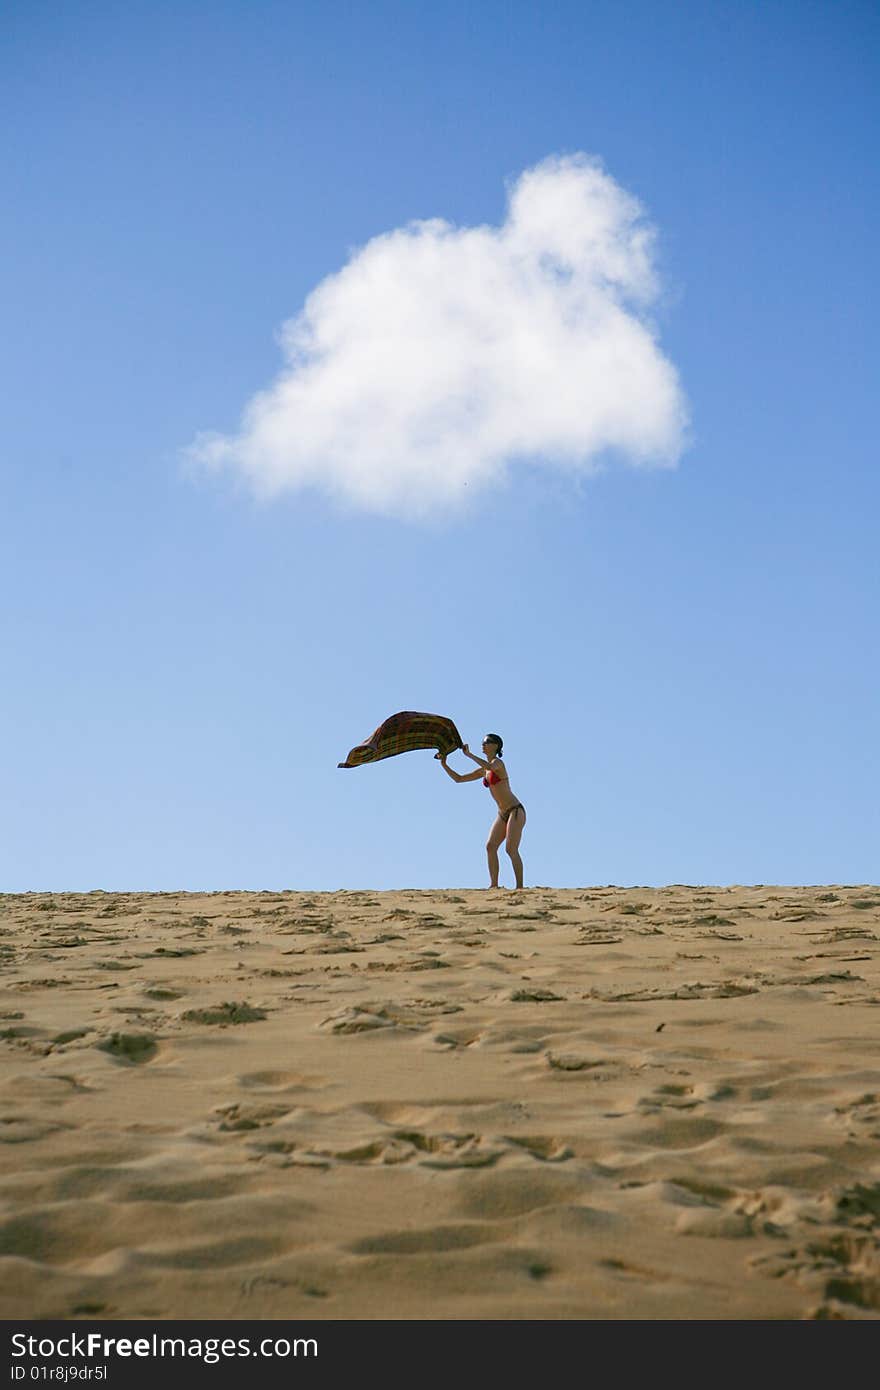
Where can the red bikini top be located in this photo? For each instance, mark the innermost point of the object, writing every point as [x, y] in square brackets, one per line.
[491, 779]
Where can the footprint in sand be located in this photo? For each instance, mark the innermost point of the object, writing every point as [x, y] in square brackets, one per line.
[354, 1020]
[429, 1241]
[177, 951]
[25, 1129]
[52, 1090]
[232, 1011]
[843, 1267]
[729, 989]
[427, 962]
[205, 1255]
[574, 1061]
[710, 1193]
[376, 1018]
[670, 1096]
[860, 1205]
[538, 1146]
[463, 1038]
[279, 1081]
[380, 1151]
[70, 1035]
[455, 1150]
[130, 1048]
[16, 1032]
[626, 1269]
[443, 1151]
[238, 1117]
[861, 1114]
[689, 1132]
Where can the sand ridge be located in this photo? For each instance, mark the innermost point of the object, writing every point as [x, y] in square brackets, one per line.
[596, 1103]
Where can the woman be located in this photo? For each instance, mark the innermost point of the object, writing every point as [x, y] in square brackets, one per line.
[511, 818]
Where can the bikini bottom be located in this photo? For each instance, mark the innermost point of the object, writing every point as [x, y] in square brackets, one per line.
[505, 815]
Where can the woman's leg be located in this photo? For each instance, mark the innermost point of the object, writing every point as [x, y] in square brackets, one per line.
[516, 823]
[496, 835]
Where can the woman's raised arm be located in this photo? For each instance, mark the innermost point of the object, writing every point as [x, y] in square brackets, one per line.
[481, 762]
[459, 776]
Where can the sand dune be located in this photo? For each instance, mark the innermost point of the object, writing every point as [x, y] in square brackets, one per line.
[595, 1103]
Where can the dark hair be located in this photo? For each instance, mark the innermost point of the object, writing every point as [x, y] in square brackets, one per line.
[495, 738]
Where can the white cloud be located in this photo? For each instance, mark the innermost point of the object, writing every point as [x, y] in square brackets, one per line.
[440, 355]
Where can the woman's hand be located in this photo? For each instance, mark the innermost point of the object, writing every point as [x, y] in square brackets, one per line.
[465, 750]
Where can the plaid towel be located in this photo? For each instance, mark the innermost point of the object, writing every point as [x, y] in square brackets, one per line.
[401, 734]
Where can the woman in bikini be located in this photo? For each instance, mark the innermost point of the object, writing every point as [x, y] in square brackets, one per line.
[511, 818]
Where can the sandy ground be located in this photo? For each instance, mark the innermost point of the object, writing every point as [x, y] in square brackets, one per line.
[596, 1103]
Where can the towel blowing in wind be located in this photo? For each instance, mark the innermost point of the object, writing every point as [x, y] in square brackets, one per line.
[410, 730]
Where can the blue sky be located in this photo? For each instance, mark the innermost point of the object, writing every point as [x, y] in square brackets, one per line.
[682, 660]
